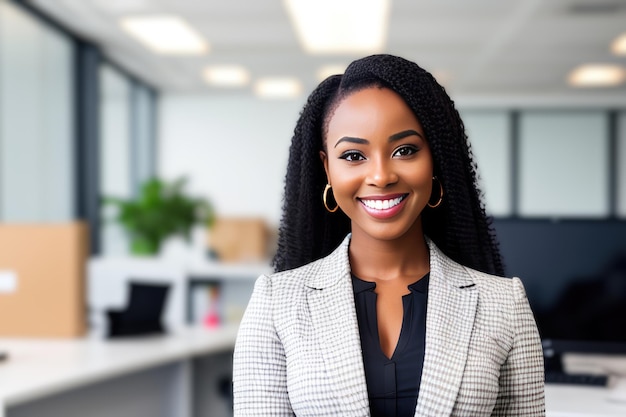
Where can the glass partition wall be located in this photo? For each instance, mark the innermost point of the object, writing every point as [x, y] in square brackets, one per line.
[73, 127]
[36, 120]
[550, 163]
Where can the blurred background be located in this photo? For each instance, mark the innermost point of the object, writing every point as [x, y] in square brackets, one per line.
[152, 137]
[91, 107]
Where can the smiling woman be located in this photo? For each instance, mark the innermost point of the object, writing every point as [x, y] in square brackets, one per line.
[390, 303]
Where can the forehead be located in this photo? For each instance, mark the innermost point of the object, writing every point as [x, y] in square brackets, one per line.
[370, 108]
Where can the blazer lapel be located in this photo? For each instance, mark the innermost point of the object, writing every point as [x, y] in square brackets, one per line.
[452, 300]
[331, 303]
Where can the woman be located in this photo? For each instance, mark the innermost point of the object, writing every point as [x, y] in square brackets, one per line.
[387, 300]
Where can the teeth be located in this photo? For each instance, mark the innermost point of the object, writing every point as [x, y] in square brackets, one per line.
[382, 204]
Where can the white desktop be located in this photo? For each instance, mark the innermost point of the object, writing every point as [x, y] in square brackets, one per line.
[179, 373]
[175, 375]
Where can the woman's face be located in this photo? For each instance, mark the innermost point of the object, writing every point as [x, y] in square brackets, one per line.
[378, 163]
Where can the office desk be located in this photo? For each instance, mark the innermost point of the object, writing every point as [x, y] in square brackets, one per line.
[170, 376]
[581, 401]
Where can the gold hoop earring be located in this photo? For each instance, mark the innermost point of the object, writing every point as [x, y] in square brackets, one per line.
[324, 199]
[438, 203]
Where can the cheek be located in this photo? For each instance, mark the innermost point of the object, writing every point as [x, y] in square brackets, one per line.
[419, 175]
[345, 181]
[337, 172]
[424, 172]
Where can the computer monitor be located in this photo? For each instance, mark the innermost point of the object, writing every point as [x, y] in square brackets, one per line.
[574, 272]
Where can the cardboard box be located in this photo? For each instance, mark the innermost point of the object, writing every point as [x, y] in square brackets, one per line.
[42, 279]
[240, 239]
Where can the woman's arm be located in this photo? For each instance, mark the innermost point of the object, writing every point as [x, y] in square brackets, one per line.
[259, 368]
[521, 390]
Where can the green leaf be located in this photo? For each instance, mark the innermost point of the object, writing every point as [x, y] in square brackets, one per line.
[162, 209]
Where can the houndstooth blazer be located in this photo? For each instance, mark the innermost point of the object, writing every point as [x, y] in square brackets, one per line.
[298, 350]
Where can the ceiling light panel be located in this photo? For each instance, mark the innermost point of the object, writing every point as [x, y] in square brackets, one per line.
[597, 75]
[278, 87]
[165, 34]
[227, 76]
[340, 26]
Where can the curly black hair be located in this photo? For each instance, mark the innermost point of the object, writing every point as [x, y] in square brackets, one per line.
[459, 226]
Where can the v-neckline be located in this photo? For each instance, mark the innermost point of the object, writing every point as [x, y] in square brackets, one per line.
[401, 342]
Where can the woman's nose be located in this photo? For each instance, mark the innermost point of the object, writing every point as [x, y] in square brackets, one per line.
[381, 173]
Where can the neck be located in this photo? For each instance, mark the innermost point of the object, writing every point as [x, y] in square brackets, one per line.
[374, 259]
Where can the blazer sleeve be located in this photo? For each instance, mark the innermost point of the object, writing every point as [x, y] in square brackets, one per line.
[521, 391]
[259, 366]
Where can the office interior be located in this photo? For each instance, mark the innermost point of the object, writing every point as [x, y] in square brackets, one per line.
[88, 111]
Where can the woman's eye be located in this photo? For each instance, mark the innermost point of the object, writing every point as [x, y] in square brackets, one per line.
[405, 151]
[352, 156]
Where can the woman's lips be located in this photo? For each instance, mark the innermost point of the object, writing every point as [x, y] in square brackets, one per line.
[383, 207]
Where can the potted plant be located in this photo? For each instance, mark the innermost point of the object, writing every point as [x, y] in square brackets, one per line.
[161, 210]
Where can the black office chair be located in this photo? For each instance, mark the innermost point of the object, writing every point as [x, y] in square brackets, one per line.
[142, 315]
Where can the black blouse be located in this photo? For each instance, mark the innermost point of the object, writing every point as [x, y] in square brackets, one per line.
[392, 384]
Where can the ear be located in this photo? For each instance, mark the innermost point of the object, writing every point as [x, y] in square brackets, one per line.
[324, 159]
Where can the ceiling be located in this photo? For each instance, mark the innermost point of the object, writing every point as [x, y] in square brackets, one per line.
[472, 46]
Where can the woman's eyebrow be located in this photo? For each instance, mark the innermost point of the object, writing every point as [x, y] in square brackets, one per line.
[392, 138]
[404, 134]
[350, 139]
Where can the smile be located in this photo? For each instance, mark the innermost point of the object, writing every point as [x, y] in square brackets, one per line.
[383, 204]
[384, 208]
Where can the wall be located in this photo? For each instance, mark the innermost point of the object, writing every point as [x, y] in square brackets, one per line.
[233, 149]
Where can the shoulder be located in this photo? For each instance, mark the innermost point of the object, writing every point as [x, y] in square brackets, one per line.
[282, 297]
[302, 272]
[318, 274]
[502, 309]
[489, 286]
[494, 284]
[276, 297]
[502, 304]
[499, 299]
[293, 278]
[496, 288]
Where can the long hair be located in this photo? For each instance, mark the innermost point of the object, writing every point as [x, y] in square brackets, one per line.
[459, 226]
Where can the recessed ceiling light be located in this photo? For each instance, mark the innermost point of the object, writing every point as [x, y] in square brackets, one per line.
[165, 34]
[328, 70]
[278, 87]
[618, 47]
[227, 75]
[340, 26]
[597, 75]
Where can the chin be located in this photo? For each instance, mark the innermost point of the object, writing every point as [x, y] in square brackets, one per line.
[386, 232]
